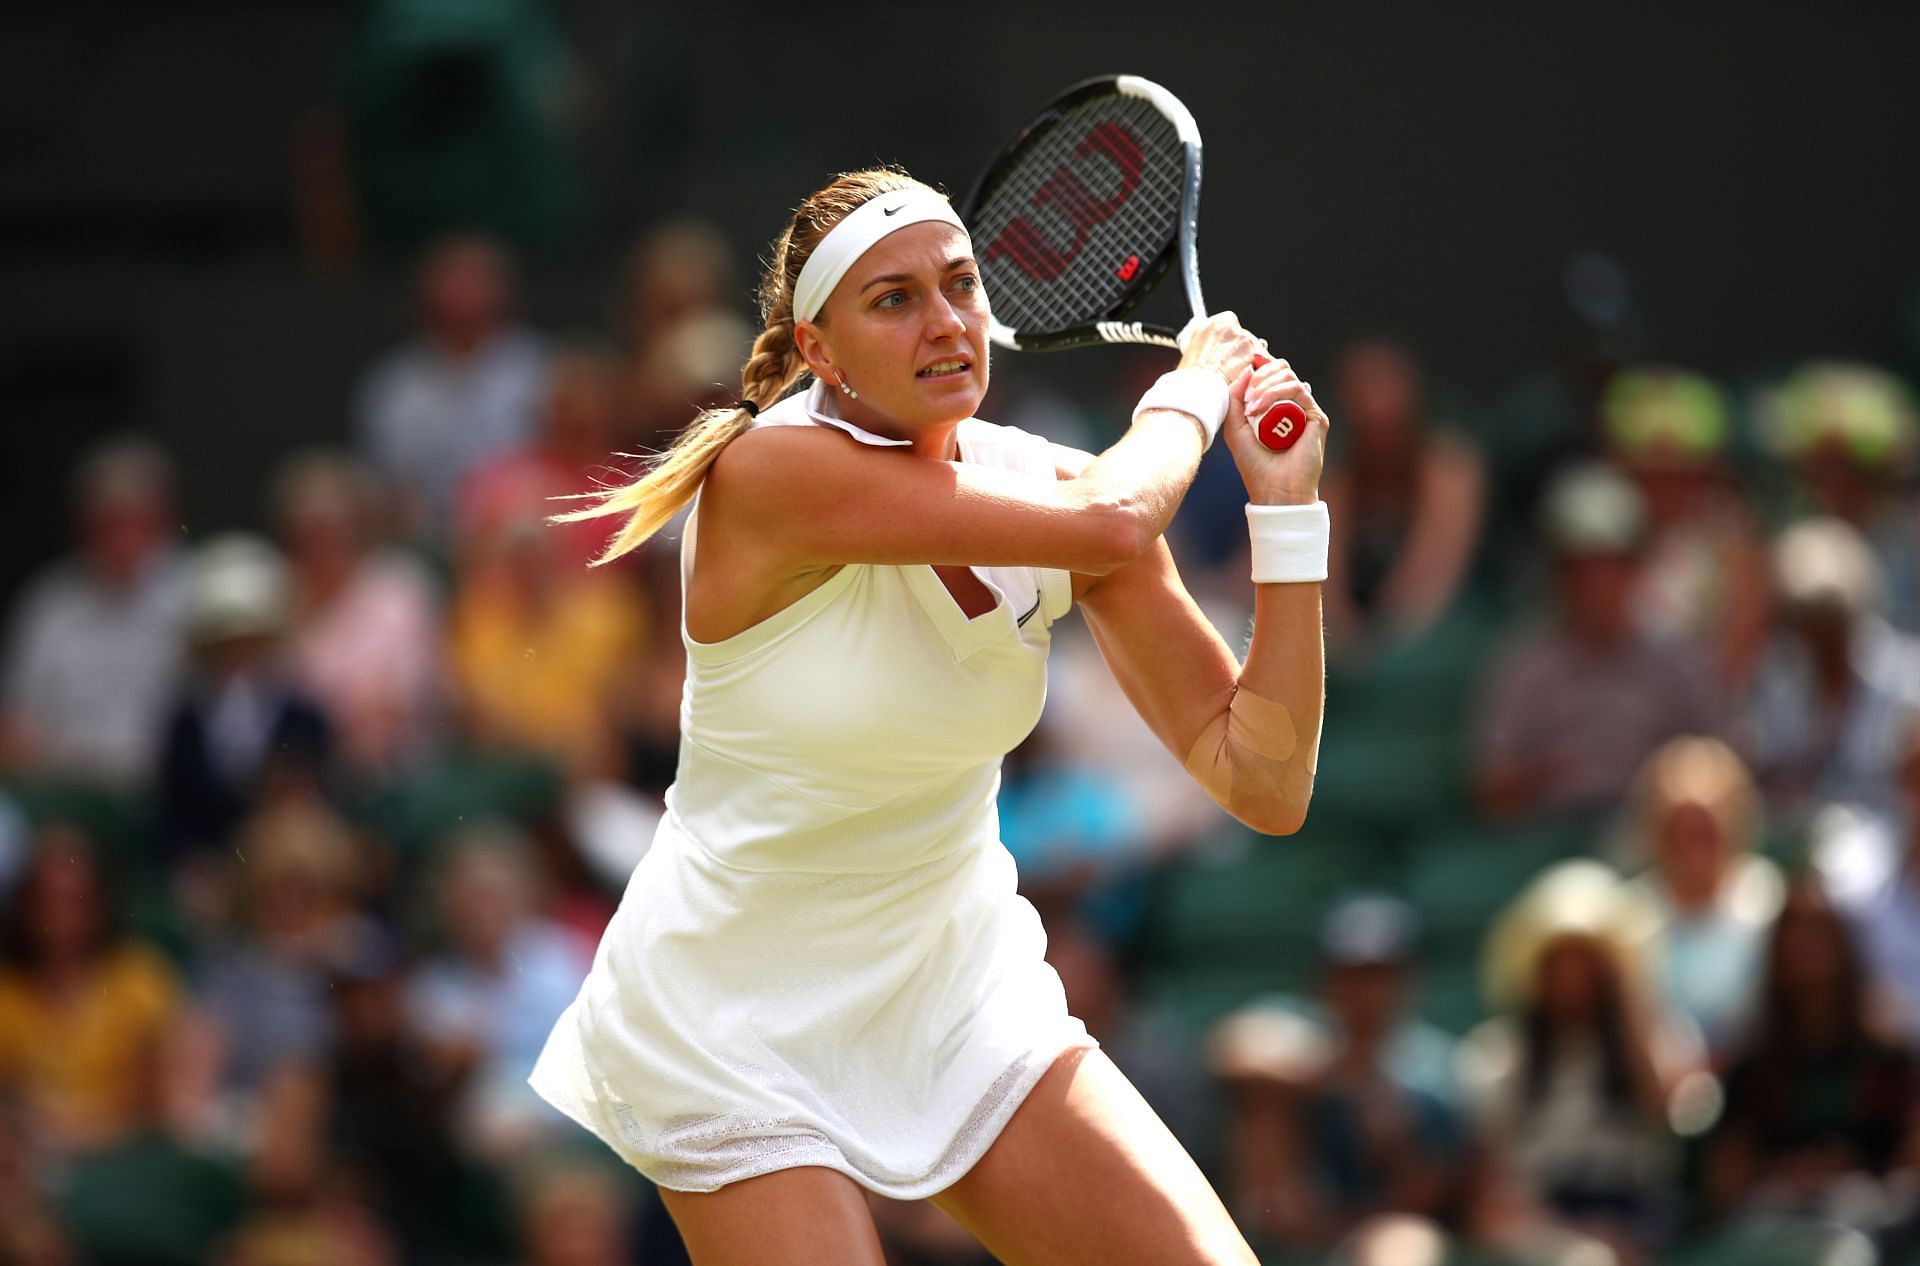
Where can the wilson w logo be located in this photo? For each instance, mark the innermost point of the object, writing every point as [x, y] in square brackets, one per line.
[1065, 196]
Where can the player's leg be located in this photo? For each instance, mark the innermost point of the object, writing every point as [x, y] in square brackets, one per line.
[792, 1217]
[1085, 1172]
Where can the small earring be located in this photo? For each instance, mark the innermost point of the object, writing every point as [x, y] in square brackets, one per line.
[847, 391]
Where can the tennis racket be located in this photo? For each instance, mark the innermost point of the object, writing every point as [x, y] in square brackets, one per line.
[1077, 220]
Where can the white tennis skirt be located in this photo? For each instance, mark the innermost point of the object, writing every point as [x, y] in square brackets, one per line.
[738, 1022]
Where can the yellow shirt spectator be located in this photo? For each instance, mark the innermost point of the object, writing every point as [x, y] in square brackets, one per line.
[80, 1058]
[539, 658]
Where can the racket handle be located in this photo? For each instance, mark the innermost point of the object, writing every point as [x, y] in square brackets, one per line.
[1282, 425]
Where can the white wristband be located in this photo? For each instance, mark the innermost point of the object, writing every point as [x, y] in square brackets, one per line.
[1200, 393]
[1289, 543]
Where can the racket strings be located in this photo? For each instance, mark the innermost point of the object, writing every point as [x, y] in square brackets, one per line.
[1081, 214]
[1090, 285]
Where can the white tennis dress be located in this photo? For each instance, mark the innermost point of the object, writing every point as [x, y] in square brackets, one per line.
[822, 960]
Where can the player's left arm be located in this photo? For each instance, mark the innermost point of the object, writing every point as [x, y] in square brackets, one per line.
[1248, 732]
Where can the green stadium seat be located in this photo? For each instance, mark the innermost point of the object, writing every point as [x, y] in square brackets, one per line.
[1241, 917]
[465, 787]
[1387, 776]
[1448, 994]
[1393, 756]
[1459, 878]
[117, 824]
[1252, 895]
[1784, 1242]
[114, 820]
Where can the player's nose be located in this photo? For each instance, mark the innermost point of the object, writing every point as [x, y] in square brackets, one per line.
[944, 320]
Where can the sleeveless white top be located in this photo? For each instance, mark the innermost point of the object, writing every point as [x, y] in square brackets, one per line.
[822, 959]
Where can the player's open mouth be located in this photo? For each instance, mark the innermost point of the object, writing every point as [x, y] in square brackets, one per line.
[945, 369]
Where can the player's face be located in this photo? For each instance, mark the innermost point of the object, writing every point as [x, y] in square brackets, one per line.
[907, 326]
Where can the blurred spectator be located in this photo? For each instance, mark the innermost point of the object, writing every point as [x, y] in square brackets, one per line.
[152, 1197]
[1075, 832]
[1153, 1059]
[325, 224]
[95, 644]
[241, 734]
[920, 1233]
[1580, 1073]
[462, 115]
[30, 1233]
[609, 826]
[390, 1110]
[1598, 317]
[1885, 913]
[696, 366]
[1267, 1054]
[264, 986]
[1851, 434]
[468, 387]
[579, 434]
[680, 269]
[82, 1005]
[1838, 686]
[1696, 818]
[650, 710]
[1092, 725]
[307, 1205]
[1704, 580]
[321, 1219]
[1355, 1139]
[1392, 1240]
[681, 329]
[365, 638]
[483, 1007]
[541, 656]
[15, 838]
[1821, 1107]
[1572, 710]
[1406, 500]
[576, 1214]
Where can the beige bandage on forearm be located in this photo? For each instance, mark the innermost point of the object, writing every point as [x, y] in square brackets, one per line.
[1242, 753]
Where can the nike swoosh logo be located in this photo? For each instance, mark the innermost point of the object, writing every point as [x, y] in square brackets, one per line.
[890, 210]
[1021, 622]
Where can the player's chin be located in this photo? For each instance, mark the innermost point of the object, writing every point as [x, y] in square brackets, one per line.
[956, 394]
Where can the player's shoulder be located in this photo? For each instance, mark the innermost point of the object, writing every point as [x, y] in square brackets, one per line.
[775, 451]
[996, 443]
[771, 468]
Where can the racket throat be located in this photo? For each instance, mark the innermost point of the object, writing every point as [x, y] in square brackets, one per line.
[1133, 332]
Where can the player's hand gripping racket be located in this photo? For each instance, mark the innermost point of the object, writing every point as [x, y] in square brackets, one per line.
[1077, 220]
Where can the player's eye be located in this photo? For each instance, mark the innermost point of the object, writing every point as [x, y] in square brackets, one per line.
[966, 283]
[891, 299]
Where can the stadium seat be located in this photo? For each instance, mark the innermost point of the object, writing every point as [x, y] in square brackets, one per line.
[466, 787]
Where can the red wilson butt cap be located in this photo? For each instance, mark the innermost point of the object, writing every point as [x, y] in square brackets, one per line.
[1283, 424]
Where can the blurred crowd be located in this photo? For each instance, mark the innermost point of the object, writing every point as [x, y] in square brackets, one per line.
[307, 837]
[1602, 943]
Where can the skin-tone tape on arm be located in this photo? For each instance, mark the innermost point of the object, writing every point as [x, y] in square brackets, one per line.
[1261, 725]
[1253, 738]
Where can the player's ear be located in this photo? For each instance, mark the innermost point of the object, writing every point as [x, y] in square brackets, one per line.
[810, 340]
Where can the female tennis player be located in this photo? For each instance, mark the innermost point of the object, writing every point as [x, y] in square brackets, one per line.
[820, 977]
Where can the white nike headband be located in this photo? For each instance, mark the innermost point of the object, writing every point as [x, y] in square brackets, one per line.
[854, 236]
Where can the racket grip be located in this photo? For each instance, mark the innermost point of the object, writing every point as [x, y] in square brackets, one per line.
[1281, 426]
